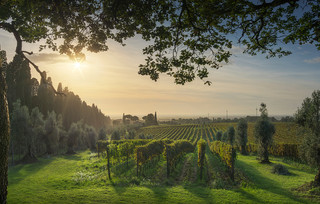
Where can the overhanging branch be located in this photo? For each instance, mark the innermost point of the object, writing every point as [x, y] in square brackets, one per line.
[10, 28]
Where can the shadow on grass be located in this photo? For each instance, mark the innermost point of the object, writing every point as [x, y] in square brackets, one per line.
[265, 183]
[249, 196]
[76, 157]
[20, 172]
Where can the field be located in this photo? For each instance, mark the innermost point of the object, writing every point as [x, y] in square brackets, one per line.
[83, 178]
[285, 132]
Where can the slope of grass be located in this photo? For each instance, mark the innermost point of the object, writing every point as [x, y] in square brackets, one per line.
[71, 179]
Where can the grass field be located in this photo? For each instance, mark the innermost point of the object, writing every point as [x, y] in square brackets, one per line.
[82, 178]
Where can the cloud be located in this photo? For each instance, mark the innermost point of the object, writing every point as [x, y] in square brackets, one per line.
[313, 60]
[237, 50]
[49, 58]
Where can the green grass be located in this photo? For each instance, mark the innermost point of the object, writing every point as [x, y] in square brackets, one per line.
[82, 179]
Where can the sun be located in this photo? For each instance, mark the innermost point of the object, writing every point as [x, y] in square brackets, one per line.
[77, 65]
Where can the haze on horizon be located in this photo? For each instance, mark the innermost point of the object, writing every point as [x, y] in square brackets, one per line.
[111, 81]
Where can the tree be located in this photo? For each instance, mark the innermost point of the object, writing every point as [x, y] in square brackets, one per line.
[91, 135]
[150, 119]
[308, 116]
[4, 131]
[18, 78]
[231, 135]
[224, 137]
[187, 36]
[102, 134]
[131, 134]
[263, 133]
[51, 132]
[37, 123]
[242, 135]
[74, 133]
[115, 135]
[46, 96]
[219, 135]
[20, 128]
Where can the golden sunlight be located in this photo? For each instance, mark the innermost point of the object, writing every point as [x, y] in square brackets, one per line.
[77, 65]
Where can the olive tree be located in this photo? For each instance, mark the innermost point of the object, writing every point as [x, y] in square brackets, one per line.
[219, 135]
[263, 133]
[22, 136]
[75, 131]
[308, 116]
[51, 133]
[242, 135]
[231, 135]
[115, 135]
[37, 125]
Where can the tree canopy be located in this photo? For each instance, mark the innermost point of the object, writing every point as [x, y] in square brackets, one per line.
[308, 116]
[186, 37]
[263, 133]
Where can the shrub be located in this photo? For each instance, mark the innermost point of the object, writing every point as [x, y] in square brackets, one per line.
[280, 169]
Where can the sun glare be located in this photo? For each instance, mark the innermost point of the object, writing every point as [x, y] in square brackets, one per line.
[77, 65]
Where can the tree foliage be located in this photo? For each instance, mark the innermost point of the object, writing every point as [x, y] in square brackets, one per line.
[263, 133]
[231, 135]
[219, 135]
[150, 119]
[22, 136]
[308, 116]
[73, 134]
[187, 37]
[51, 132]
[115, 135]
[242, 135]
[102, 134]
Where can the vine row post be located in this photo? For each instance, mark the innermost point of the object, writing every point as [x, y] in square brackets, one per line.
[108, 162]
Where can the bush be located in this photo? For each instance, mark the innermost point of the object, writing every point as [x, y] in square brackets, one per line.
[280, 170]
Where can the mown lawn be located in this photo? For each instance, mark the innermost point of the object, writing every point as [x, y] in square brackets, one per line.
[68, 179]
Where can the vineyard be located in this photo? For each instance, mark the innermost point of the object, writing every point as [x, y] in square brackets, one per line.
[180, 164]
[287, 133]
[175, 149]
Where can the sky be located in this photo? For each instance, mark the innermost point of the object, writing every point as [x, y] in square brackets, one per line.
[111, 81]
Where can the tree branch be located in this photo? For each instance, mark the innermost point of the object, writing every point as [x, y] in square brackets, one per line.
[10, 28]
[272, 4]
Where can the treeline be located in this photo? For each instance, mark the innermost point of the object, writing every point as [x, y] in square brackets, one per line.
[33, 94]
[206, 120]
[33, 134]
[43, 122]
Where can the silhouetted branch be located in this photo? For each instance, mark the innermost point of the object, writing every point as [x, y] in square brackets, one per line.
[10, 28]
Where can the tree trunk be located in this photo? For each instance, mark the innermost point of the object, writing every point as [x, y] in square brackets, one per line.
[265, 155]
[232, 166]
[4, 138]
[137, 164]
[49, 149]
[108, 164]
[168, 164]
[243, 150]
[98, 150]
[12, 152]
[316, 181]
